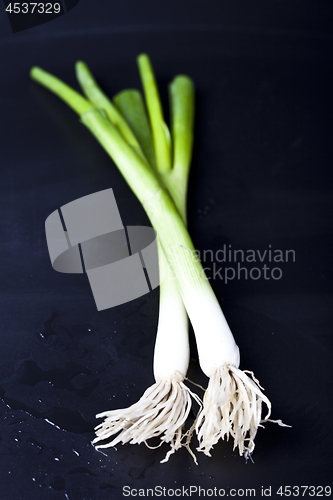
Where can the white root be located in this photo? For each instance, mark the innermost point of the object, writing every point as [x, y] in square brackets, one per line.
[163, 409]
[160, 412]
[232, 406]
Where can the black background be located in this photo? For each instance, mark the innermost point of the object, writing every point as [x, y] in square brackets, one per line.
[262, 165]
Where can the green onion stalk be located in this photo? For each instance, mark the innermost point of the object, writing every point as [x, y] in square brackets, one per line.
[164, 407]
[155, 164]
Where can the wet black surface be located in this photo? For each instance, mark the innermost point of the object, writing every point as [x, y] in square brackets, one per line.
[261, 180]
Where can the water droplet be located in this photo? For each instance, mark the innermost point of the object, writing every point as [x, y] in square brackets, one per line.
[82, 470]
[48, 328]
[57, 483]
[29, 373]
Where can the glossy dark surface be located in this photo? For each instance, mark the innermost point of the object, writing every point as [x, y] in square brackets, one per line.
[261, 179]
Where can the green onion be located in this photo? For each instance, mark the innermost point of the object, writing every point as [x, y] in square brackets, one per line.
[160, 131]
[166, 413]
[131, 105]
[139, 422]
[233, 401]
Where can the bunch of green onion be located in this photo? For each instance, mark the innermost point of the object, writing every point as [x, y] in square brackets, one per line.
[155, 163]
